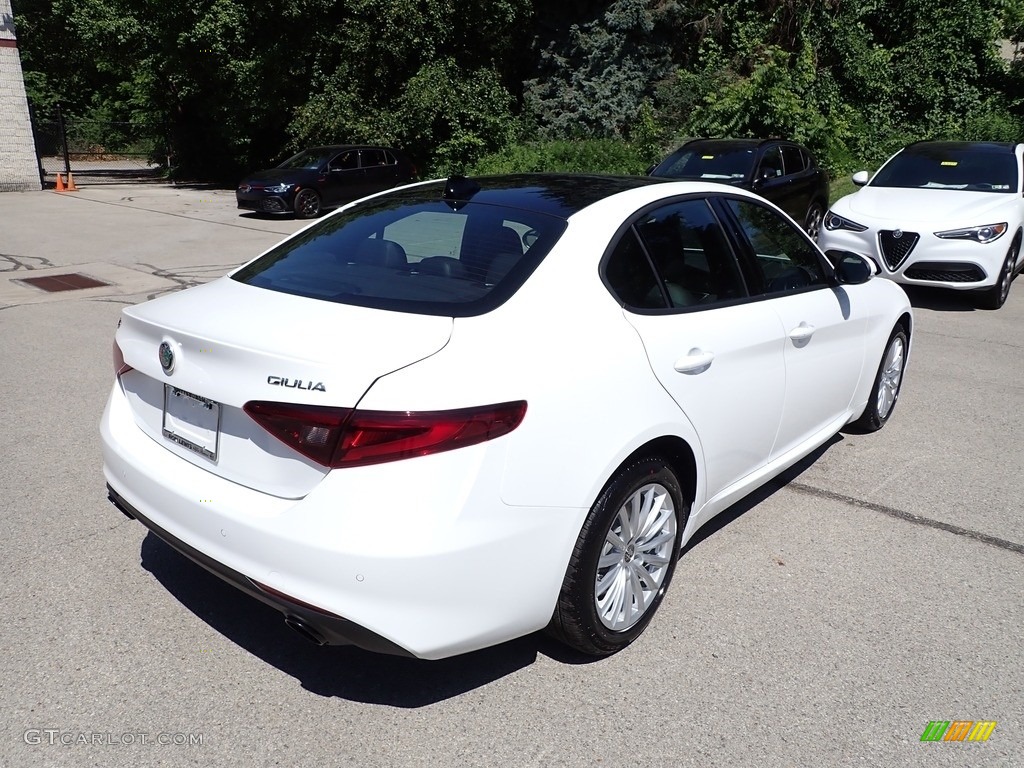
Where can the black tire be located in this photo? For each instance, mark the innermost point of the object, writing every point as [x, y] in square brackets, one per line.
[307, 204]
[995, 297]
[643, 488]
[885, 391]
[813, 219]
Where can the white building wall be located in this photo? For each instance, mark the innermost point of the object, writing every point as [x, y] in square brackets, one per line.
[19, 168]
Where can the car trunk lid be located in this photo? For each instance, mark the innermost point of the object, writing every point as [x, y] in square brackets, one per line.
[231, 343]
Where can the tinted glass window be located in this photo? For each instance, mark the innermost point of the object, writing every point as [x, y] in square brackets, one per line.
[690, 253]
[305, 159]
[346, 161]
[784, 258]
[409, 254]
[950, 168]
[792, 159]
[770, 166]
[729, 164]
[630, 276]
[371, 158]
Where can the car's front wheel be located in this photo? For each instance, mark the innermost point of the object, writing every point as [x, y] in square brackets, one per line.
[995, 297]
[307, 204]
[888, 380]
[623, 560]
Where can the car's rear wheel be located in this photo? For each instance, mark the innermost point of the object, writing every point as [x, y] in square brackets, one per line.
[812, 222]
[307, 204]
[623, 560]
[888, 380]
[995, 297]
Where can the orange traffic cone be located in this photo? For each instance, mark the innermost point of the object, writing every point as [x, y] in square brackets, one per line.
[71, 184]
[60, 183]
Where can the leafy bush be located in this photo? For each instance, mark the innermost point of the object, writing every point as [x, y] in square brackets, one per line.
[612, 156]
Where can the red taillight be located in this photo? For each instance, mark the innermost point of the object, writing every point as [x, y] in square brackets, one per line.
[342, 437]
[120, 366]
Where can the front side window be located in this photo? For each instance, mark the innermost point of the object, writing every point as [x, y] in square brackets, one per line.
[408, 251]
[770, 166]
[346, 161]
[784, 258]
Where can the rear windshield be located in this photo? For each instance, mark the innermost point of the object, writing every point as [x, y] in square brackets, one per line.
[727, 164]
[971, 170]
[407, 253]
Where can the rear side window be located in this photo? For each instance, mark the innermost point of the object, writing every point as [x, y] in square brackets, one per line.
[370, 158]
[409, 254]
[793, 159]
[674, 256]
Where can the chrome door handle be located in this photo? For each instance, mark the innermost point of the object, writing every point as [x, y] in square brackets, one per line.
[694, 361]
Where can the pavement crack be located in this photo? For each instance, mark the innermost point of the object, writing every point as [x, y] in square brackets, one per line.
[909, 517]
[25, 262]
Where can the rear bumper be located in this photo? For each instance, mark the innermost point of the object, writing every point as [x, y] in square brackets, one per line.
[418, 557]
[322, 627]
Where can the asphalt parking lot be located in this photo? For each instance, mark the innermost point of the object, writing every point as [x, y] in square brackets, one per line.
[825, 621]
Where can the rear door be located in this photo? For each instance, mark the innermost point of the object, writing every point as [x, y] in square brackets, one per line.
[344, 178]
[717, 354]
[379, 169]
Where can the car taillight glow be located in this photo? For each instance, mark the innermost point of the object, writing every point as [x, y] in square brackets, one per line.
[343, 437]
[120, 366]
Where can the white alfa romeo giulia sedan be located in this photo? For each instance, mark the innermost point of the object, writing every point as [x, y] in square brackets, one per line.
[461, 411]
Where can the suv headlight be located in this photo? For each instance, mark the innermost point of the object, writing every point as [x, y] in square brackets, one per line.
[279, 189]
[834, 221]
[984, 234]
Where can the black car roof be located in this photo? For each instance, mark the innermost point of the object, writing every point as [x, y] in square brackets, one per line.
[556, 194]
[342, 147]
[719, 144]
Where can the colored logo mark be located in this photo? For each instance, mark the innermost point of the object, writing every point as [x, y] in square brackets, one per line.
[958, 730]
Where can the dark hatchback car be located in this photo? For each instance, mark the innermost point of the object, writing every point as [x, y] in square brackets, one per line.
[324, 177]
[780, 171]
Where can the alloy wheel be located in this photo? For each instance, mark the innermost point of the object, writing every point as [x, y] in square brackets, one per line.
[635, 557]
[891, 375]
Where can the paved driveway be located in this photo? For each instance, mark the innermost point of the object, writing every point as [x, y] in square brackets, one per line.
[823, 622]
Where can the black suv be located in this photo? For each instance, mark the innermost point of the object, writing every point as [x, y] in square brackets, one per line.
[780, 171]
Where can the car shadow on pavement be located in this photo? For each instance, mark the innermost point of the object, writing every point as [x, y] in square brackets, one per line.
[922, 297]
[769, 489]
[345, 672]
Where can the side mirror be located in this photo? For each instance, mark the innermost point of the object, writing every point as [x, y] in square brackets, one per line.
[860, 178]
[851, 268]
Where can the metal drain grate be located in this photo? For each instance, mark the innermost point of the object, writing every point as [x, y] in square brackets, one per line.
[73, 281]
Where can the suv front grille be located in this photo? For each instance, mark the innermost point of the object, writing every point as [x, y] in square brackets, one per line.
[896, 249]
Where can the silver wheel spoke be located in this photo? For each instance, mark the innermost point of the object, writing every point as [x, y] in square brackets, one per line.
[632, 565]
